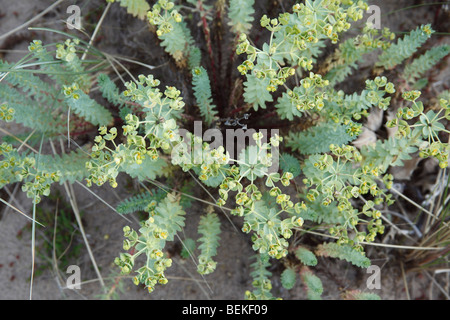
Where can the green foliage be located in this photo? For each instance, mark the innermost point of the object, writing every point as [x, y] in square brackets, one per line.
[424, 133]
[309, 95]
[175, 36]
[352, 51]
[286, 108]
[322, 211]
[318, 138]
[15, 167]
[171, 43]
[188, 248]
[343, 252]
[27, 112]
[313, 284]
[37, 102]
[110, 91]
[71, 166]
[405, 47]
[29, 83]
[194, 57]
[305, 256]
[390, 152]
[137, 8]
[209, 228]
[202, 93]
[338, 179]
[256, 93]
[164, 222]
[80, 103]
[358, 295]
[263, 220]
[29, 99]
[444, 95]
[288, 278]
[342, 108]
[240, 13]
[261, 282]
[145, 201]
[169, 215]
[424, 63]
[147, 169]
[289, 163]
[297, 39]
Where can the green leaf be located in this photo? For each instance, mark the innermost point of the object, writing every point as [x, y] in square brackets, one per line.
[256, 93]
[170, 216]
[404, 48]
[188, 248]
[318, 139]
[305, 256]
[252, 165]
[240, 14]
[178, 42]
[425, 62]
[140, 202]
[110, 91]
[148, 169]
[286, 109]
[358, 295]
[288, 278]
[209, 228]
[261, 282]
[343, 252]
[289, 163]
[72, 166]
[87, 108]
[313, 284]
[390, 152]
[203, 95]
[138, 8]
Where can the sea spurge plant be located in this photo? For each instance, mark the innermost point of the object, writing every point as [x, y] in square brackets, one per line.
[209, 228]
[166, 219]
[310, 174]
[351, 51]
[261, 281]
[425, 132]
[295, 39]
[335, 178]
[18, 168]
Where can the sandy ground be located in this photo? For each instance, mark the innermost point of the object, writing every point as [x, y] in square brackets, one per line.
[104, 227]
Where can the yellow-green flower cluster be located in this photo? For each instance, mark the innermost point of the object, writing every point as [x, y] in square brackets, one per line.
[337, 177]
[163, 15]
[150, 241]
[67, 51]
[16, 168]
[6, 113]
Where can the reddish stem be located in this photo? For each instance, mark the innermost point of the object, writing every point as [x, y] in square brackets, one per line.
[208, 39]
[232, 112]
